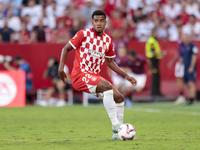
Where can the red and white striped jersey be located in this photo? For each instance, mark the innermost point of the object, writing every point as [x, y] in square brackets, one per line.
[91, 50]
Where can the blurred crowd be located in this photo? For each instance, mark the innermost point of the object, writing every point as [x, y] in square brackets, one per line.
[56, 21]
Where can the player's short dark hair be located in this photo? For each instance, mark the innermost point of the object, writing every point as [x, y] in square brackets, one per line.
[18, 57]
[132, 53]
[98, 13]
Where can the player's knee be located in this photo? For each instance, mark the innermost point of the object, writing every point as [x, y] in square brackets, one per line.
[120, 98]
[107, 86]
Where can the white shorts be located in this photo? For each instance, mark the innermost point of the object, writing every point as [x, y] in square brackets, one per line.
[179, 70]
[118, 80]
[141, 80]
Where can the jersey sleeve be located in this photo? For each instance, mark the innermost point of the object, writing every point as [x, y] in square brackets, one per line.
[111, 52]
[195, 50]
[76, 40]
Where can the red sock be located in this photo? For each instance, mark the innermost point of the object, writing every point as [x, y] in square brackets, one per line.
[181, 92]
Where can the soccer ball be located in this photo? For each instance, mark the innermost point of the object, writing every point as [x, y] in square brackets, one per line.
[126, 132]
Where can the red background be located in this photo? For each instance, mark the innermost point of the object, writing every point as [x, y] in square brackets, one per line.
[38, 54]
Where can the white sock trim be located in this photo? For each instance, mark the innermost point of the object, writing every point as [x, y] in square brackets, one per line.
[120, 104]
[109, 92]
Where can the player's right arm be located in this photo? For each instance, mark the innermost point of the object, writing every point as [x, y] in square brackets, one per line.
[74, 43]
[63, 59]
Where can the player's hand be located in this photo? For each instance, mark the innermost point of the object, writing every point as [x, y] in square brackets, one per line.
[62, 76]
[191, 69]
[131, 79]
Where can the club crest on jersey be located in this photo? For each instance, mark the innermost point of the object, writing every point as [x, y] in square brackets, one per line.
[94, 79]
[104, 47]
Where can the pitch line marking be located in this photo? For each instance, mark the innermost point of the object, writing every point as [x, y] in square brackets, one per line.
[87, 139]
[167, 112]
[151, 110]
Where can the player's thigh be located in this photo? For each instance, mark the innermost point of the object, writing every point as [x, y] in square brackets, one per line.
[179, 70]
[103, 86]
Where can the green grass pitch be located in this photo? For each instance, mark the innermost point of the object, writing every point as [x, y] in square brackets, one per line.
[159, 126]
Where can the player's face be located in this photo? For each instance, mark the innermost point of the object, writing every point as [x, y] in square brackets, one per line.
[186, 39]
[99, 23]
[132, 58]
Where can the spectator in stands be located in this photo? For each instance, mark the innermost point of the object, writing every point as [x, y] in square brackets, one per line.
[39, 32]
[61, 34]
[25, 2]
[29, 25]
[22, 65]
[1, 11]
[14, 22]
[117, 38]
[24, 35]
[135, 4]
[162, 31]
[126, 10]
[48, 21]
[144, 28]
[107, 7]
[33, 10]
[1, 16]
[189, 53]
[191, 7]
[175, 29]
[172, 9]
[58, 86]
[153, 52]
[192, 28]
[55, 10]
[73, 13]
[66, 19]
[63, 3]
[184, 16]
[75, 26]
[87, 11]
[138, 15]
[6, 33]
[116, 19]
[14, 5]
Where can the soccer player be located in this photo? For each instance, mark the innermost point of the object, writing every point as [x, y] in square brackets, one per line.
[189, 58]
[93, 48]
[179, 73]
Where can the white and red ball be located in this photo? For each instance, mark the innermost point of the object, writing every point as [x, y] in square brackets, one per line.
[126, 132]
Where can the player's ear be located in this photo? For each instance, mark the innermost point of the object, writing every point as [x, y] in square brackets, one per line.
[105, 22]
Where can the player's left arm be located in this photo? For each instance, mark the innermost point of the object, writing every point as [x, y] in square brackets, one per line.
[194, 59]
[113, 66]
